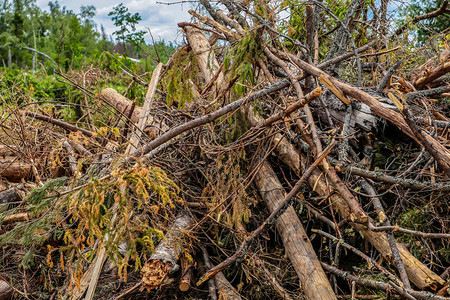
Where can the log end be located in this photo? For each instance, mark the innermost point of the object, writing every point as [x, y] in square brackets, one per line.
[5, 290]
[154, 274]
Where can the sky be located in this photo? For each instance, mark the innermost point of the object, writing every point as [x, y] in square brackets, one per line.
[160, 18]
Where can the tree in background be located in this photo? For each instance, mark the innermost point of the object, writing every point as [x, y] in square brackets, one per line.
[428, 27]
[126, 22]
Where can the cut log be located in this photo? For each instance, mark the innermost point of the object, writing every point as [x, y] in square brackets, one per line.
[313, 280]
[10, 195]
[206, 59]
[164, 261]
[5, 290]
[185, 281]
[14, 170]
[121, 103]
[124, 105]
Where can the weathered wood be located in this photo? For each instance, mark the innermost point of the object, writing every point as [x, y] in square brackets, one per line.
[204, 54]
[376, 107]
[121, 103]
[221, 285]
[165, 259]
[145, 115]
[313, 280]
[10, 195]
[14, 170]
[185, 281]
[6, 290]
[417, 272]
[275, 213]
[125, 105]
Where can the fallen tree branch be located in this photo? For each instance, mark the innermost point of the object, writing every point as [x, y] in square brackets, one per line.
[66, 126]
[398, 229]
[378, 284]
[359, 253]
[280, 208]
[380, 176]
[205, 119]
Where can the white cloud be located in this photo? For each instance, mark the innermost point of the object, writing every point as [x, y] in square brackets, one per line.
[160, 18]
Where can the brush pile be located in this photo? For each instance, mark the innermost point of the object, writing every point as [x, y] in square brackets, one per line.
[275, 155]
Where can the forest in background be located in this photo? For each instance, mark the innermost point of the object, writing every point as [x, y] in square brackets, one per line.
[286, 149]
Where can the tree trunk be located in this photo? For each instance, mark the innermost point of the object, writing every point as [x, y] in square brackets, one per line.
[206, 58]
[313, 280]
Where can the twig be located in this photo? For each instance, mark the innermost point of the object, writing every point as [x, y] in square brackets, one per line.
[62, 124]
[390, 237]
[388, 76]
[442, 157]
[430, 235]
[129, 291]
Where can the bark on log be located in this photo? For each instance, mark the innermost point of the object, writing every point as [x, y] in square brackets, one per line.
[224, 288]
[165, 259]
[121, 103]
[10, 195]
[14, 170]
[20, 217]
[205, 55]
[298, 248]
[124, 105]
[5, 290]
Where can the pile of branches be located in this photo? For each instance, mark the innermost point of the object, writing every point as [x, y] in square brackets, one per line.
[256, 167]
